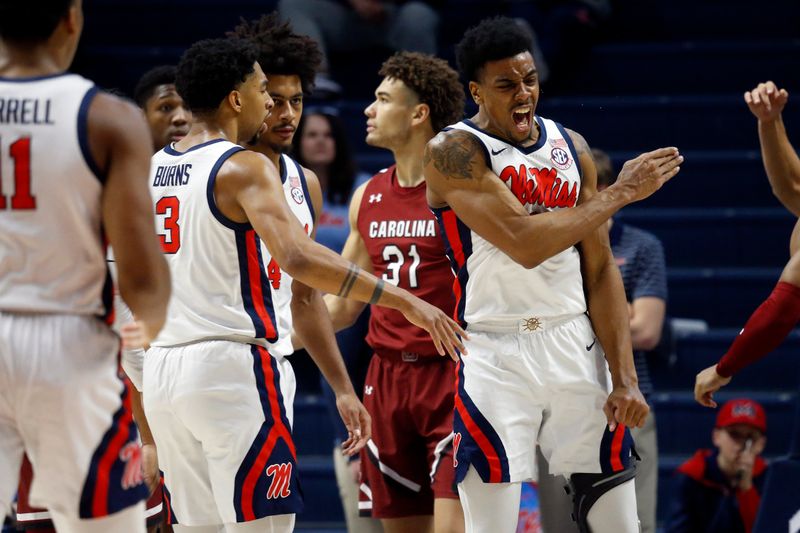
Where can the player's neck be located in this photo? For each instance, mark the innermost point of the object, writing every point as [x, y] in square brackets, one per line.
[205, 129]
[16, 62]
[408, 159]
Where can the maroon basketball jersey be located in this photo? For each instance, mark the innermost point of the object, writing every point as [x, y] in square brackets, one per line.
[406, 248]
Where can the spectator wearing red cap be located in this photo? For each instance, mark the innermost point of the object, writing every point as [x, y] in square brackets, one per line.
[720, 490]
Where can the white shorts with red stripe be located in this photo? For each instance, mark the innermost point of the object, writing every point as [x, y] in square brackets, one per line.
[221, 415]
[63, 402]
[535, 381]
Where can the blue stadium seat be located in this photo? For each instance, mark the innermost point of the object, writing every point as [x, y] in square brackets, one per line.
[725, 237]
[723, 297]
[778, 372]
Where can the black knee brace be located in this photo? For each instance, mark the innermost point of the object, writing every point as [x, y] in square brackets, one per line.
[586, 489]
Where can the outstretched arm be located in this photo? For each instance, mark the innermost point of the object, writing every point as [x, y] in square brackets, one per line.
[608, 309]
[248, 188]
[781, 162]
[312, 324]
[764, 331]
[457, 175]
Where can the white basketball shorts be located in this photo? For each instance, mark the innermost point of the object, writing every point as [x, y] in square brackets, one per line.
[535, 381]
[221, 415]
[62, 401]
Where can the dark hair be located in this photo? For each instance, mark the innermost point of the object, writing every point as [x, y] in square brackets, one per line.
[211, 69]
[605, 169]
[434, 83]
[280, 50]
[343, 169]
[161, 75]
[30, 22]
[492, 39]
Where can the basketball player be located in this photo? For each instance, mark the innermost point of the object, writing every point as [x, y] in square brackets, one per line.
[406, 470]
[774, 319]
[61, 398]
[536, 371]
[290, 61]
[167, 115]
[218, 390]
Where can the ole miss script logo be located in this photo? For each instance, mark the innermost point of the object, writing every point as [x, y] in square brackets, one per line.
[540, 186]
[281, 478]
[131, 455]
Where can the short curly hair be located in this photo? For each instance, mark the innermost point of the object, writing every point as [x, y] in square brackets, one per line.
[146, 86]
[280, 50]
[492, 39]
[434, 83]
[211, 69]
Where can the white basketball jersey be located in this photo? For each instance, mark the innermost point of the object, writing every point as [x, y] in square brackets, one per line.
[52, 251]
[491, 287]
[221, 288]
[296, 191]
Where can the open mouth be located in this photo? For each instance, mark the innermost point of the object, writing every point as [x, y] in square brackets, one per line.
[523, 118]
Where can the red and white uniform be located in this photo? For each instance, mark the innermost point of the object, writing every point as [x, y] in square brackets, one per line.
[409, 386]
[60, 391]
[218, 390]
[535, 372]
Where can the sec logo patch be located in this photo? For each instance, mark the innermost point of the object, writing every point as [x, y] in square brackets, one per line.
[560, 158]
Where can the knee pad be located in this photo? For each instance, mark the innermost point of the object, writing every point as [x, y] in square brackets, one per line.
[586, 489]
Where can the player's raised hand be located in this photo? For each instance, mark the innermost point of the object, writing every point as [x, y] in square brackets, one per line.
[445, 332]
[357, 421]
[626, 405]
[766, 101]
[645, 174]
[706, 384]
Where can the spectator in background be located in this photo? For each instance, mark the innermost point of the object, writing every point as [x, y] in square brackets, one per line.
[320, 144]
[167, 115]
[720, 490]
[640, 257]
[350, 25]
[564, 31]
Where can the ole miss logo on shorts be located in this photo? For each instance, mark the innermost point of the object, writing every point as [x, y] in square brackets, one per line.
[131, 455]
[281, 475]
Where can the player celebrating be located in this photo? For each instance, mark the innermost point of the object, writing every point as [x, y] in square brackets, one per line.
[536, 370]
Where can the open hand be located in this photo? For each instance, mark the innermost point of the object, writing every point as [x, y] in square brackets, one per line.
[357, 421]
[445, 332]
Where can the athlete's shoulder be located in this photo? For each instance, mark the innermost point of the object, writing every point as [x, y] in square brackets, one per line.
[384, 174]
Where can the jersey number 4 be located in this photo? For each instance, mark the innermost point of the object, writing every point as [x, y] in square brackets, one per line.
[20, 152]
[170, 238]
[396, 259]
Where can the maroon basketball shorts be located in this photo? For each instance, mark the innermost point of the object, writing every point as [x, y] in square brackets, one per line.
[409, 460]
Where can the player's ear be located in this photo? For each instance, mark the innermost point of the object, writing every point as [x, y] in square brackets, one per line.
[420, 114]
[475, 92]
[235, 101]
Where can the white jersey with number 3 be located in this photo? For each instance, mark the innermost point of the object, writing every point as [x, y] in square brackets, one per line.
[52, 256]
[221, 283]
[543, 177]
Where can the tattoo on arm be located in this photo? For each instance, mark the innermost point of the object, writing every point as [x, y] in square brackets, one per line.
[349, 281]
[376, 294]
[453, 156]
[581, 146]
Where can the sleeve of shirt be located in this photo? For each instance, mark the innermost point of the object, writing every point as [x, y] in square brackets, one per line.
[651, 271]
